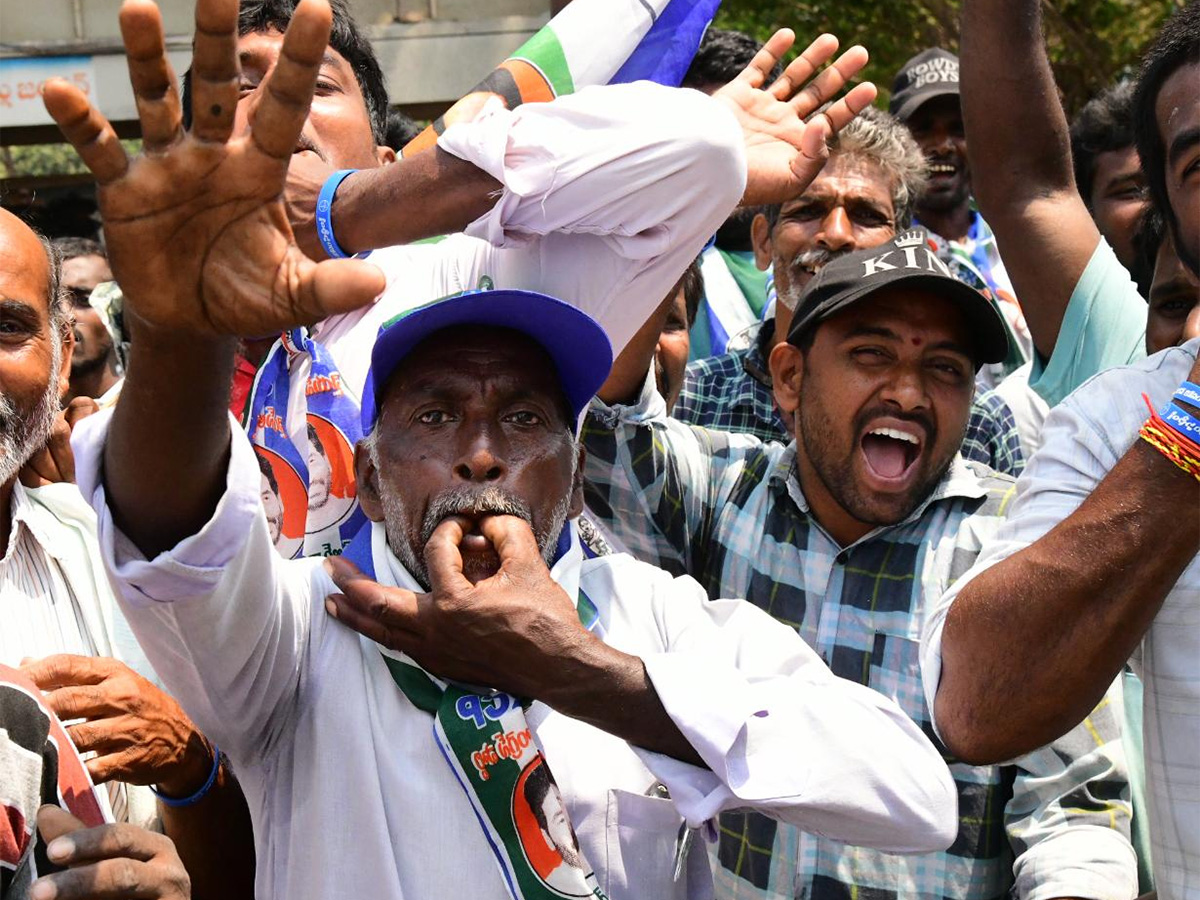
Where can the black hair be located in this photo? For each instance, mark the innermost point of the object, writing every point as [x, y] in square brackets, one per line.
[72, 247]
[259, 16]
[400, 130]
[721, 57]
[267, 472]
[537, 786]
[1147, 241]
[1177, 45]
[1103, 125]
[315, 439]
[692, 283]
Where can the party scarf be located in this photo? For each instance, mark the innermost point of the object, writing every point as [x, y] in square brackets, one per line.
[487, 743]
[306, 454]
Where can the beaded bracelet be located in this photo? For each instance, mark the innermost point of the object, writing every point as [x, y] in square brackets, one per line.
[199, 795]
[1170, 442]
[324, 208]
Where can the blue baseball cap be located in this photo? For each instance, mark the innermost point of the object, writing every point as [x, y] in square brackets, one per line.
[573, 340]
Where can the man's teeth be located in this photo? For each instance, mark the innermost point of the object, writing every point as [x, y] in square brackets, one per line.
[942, 169]
[894, 434]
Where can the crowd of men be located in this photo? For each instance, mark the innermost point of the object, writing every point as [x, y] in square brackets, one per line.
[415, 526]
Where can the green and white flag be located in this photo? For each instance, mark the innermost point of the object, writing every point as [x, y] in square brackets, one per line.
[590, 42]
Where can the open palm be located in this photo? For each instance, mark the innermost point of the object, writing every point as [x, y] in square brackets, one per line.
[197, 233]
[786, 144]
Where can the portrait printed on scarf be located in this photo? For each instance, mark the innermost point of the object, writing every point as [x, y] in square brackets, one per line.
[331, 487]
[283, 497]
[546, 834]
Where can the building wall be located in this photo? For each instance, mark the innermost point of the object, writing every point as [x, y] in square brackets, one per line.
[431, 51]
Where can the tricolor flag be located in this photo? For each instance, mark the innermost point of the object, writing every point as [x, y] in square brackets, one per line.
[590, 42]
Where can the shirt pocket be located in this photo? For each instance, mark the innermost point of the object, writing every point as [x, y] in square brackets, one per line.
[642, 836]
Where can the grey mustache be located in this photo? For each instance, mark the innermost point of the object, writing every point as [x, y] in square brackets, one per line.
[475, 503]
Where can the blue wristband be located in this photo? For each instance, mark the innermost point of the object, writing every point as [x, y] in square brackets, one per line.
[199, 795]
[1182, 423]
[324, 207]
[1189, 393]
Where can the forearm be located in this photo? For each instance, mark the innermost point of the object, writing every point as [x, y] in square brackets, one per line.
[168, 448]
[1053, 624]
[612, 691]
[1025, 150]
[215, 839]
[631, 365]
[1020, 156]
[422, 196]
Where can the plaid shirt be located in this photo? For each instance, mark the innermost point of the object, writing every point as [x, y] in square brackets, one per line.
[728, 509]
[732, 392]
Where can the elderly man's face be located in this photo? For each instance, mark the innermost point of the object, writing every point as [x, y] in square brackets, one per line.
[34, 362]
[472, 423]
[881, 400]
[848, 207]
[338, 129]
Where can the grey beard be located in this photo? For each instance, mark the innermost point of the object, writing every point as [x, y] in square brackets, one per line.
[472, 502]
[805, 261]
[21, 436]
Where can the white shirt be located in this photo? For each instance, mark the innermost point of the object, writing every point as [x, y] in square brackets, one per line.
[1083, 439]
[54, 597]
[609, 194]
[1028, 408]
[350, 796]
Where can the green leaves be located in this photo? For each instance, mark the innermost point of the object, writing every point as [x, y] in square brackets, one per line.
[1091, 42]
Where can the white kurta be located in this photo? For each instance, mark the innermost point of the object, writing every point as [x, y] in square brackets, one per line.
[350, 796]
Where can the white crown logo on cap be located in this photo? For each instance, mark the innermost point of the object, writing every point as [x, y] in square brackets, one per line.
[909, 250]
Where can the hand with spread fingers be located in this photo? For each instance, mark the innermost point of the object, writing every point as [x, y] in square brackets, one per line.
[784, 152]
[196, 229]
[510, 631]
[139, 733]
[109, 862]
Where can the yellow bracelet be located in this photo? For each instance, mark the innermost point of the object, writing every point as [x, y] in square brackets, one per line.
[1171, 449]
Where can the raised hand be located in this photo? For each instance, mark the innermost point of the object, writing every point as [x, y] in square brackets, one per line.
[111, 862]
[784, 153]
[510, 631]
[197, 233]
[140, 735]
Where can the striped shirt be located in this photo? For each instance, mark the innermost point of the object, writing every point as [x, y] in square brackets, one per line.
[732, 392]
[48, 604]
[728, 510]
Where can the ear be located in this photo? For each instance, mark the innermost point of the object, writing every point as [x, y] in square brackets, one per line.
[576, 507]
[760, 238]
[386, 155]
[787, 371]
[64, 366]
[366, 476]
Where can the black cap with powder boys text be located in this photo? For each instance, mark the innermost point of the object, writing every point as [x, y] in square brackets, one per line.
[931, 73]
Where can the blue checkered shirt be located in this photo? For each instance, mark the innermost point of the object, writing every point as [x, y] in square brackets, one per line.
[728, 509]
[732, 392]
